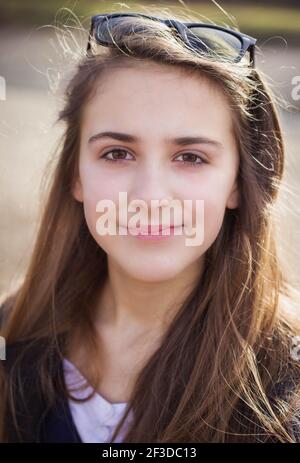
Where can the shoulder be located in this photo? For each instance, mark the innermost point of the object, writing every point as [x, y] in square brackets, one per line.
[285, 395]
[12, 351]
[22, 354]
[27, 405]
[25, 351]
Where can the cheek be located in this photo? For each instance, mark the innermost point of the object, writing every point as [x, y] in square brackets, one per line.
[213, 190]
[96, 186]
[213, 219]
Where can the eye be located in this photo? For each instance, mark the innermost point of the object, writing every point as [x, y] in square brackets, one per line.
[112, 158]
[119, 155]
[192, 159]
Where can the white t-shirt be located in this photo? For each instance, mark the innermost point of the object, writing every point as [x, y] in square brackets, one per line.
[96, 418]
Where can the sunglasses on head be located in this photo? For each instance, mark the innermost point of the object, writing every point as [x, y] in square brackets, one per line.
[204, 39]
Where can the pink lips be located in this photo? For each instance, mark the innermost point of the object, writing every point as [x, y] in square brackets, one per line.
[154, 232]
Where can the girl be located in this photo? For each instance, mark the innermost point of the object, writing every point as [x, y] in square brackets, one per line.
[118, 337]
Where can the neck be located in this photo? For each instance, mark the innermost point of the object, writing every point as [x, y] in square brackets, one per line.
[126, 301]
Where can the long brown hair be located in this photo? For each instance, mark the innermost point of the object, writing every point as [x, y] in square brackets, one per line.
[213, 377]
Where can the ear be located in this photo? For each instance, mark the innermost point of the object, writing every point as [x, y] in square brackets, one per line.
[77, 190]
[233, 200]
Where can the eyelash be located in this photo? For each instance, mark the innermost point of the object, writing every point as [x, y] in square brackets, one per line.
[189, 163]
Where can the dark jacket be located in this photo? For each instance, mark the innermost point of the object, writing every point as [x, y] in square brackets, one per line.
[36, 421]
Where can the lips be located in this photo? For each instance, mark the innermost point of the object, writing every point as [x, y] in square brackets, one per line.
[152, 230]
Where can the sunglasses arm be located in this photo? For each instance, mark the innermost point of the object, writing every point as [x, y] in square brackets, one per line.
[88, 48]
[252, 55]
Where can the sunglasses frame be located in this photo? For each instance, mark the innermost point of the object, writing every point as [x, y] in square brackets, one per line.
[247, 42]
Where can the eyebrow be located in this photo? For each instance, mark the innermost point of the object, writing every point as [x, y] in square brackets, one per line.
[181, 141]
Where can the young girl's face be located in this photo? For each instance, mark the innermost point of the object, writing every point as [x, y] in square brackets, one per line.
[155, 104]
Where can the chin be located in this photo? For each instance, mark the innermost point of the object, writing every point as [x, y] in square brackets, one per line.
[151, 273]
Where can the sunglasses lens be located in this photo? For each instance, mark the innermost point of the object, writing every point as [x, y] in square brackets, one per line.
[214, 42]
[107, 31]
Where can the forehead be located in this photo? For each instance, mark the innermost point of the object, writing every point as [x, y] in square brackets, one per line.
[156, 100]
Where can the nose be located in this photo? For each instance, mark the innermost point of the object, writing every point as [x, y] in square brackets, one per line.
[152, 183]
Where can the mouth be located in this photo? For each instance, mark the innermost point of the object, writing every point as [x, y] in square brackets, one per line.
[154, 231]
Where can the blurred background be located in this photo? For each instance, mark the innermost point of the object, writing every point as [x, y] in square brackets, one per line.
[38, 40]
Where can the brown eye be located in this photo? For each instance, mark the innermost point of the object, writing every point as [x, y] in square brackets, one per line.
[191, 159]
[120, 155]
